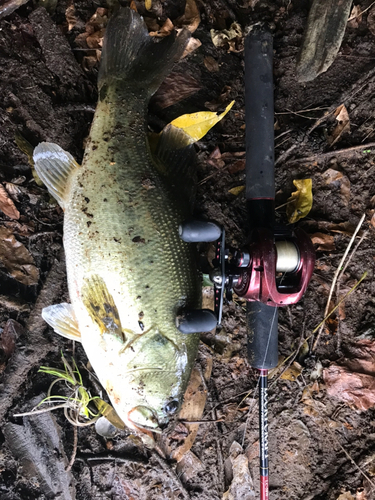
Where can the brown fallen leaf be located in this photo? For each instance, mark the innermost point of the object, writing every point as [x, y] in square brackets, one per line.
[351, 387]
[242, 487]
[189, 466]
[237, 166]
[6, 204]
[193, 44]
[342, 127]
[337, 179]
[324, 242]
[17, 259]
[211, 64]
[300, 201]
[191, 17]
[346, 496]
[9, 336]
[355, 17]
[164, 31]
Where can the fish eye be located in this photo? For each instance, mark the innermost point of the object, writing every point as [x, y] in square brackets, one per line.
[171, 407]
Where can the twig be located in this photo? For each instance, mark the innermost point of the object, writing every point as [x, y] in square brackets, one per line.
[338, 346]
[335, 279]
[75, 446]
[38, 412]
[334, 437]
[330, 154]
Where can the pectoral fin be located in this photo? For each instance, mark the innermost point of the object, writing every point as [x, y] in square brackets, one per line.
[54, 166]
[62, 319]
[101, 306]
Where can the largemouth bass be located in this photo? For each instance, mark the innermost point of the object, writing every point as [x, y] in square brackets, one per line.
[129, 273]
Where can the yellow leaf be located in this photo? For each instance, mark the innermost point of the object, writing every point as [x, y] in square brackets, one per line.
[196, 125]
[148, 4]
[109, 413]
[236, 190]
[300, 203]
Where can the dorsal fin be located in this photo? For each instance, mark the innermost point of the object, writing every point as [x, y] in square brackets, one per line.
[54, 166]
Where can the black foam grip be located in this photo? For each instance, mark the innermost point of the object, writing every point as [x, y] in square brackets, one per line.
[196, 321]
[259, 113]
[197, 231]
[262, 335]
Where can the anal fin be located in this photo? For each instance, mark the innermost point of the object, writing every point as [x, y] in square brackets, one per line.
[62, 319]
[54, 166]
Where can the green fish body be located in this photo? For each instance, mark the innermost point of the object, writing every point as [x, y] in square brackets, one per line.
[129, 273]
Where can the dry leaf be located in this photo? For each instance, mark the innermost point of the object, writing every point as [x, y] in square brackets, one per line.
[72, 18]
[337, 179]
[193, 44]
[236, 190]
[324, 242]
[231, 39]
[17, 259]
[164, 31]
[372, 220]
[191, 17]
[237, 166]
[242, 487]
[6, 204]
[353, 388]
[189, 466]
[343, 125]
[346, 496]
[300, 200]
[211, 64]
[355, 16]
[9, 336]
[293, 372]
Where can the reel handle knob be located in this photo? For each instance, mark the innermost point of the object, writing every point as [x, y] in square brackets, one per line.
[197, 231]
[196, 321]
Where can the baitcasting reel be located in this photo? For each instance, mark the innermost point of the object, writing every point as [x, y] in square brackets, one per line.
[274, 268]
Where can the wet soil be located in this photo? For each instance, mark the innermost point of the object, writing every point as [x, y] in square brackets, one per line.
[319, 449]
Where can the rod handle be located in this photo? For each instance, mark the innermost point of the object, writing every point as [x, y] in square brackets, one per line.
[262, 335]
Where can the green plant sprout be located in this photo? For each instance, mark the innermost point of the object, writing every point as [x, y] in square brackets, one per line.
[76, 406]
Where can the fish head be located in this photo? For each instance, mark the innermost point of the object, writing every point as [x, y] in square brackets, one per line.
[148, 381]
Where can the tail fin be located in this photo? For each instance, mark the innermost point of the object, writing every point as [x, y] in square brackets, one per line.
[132, 56]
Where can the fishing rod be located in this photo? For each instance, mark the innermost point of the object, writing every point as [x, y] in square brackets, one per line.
[276, 263]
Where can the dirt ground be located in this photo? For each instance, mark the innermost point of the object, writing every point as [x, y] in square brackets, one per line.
[321, 444]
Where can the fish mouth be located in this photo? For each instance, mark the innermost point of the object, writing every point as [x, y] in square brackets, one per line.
[144, 419]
